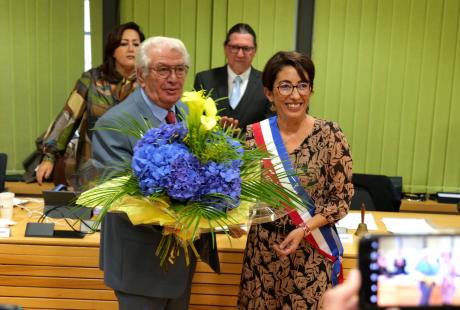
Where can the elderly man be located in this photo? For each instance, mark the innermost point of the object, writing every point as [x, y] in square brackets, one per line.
[127, 254]
[237, 81]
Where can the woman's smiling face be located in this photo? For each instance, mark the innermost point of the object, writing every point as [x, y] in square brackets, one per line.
[295, 104]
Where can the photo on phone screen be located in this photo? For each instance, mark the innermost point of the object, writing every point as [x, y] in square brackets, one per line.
[410, 271]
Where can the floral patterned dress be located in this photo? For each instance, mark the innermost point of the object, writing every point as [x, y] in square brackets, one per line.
[298, 281]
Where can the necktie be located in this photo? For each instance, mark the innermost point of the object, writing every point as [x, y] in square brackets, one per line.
[171, 117]
[235, 97]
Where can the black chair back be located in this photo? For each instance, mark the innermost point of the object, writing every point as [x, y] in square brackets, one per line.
[362, 196]
[380, 189]
[3, 160]
[397, 183]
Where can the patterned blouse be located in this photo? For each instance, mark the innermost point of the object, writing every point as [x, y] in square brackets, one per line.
[323, 162]
[91, 97]
[299, 280]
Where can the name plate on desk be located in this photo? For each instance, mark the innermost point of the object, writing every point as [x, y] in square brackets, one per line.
[5, 232]
[47, 230]
[39, 230]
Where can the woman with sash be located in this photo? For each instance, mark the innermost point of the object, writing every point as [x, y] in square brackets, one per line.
[291, 262]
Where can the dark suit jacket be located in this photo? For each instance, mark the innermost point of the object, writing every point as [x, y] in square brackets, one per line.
[253, 106]
[128, 252]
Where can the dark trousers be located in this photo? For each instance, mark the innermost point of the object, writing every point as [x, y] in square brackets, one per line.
[130, 301]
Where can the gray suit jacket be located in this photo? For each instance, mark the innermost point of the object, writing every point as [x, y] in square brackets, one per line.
[127, 253]
[253, 106]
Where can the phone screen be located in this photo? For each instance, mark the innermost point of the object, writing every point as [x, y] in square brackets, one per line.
[410, 271]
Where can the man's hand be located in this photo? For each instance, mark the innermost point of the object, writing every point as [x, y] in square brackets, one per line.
[43, 171]
[231, 122]
[291, 243]
[344, 296]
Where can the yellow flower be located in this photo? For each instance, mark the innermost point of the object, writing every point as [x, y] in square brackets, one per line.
[198, 104]
[208, 123]
[210, 107]
[195, 103]
[209, 120]
[193, 96]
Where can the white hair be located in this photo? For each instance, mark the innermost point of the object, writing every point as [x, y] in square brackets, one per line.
[143, 59]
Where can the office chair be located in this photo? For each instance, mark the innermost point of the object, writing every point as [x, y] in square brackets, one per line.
[397, 183]
[3, 161]
[361, 196]
[380, 189]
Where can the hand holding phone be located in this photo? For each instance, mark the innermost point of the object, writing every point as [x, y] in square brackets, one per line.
[410, 271]
[344, 296]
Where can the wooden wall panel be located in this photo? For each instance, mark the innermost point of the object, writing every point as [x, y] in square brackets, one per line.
[41, 58]
[388, 72]
[219, 29]
[202, 57]
[97, 40]
[202, 26]
[42, 55]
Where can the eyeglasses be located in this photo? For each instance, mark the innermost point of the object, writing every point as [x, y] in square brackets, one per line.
[165, 71]
[236, 48]
[286, 89]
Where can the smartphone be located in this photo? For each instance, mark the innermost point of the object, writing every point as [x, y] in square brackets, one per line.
[410, 271]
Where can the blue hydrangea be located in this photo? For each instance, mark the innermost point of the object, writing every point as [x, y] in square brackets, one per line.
[186, 179]
[151, 165]
[162, 163]
[236, 145]
[164, 134]
[222, 178]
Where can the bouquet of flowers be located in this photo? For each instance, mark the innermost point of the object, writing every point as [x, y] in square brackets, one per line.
[189, 177]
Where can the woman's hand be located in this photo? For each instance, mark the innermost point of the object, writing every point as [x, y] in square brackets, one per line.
[43, 171]
[291, 243]
[236, 231]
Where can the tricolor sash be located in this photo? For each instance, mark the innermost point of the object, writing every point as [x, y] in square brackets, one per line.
[325, 239]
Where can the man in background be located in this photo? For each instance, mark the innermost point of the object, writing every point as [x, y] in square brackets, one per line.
[238, 82]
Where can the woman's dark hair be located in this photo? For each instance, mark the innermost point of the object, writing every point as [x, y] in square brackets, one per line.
[301, 62]
[112, 42]
[241, 28]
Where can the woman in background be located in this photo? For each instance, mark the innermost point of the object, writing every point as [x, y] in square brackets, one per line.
[289, 263]
[95, 92]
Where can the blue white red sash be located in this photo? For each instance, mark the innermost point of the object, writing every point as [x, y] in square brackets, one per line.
[325, 239]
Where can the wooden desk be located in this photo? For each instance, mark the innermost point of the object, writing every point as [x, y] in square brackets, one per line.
[428, 206]
[57, 273]
[27, 189]
[51, 273]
